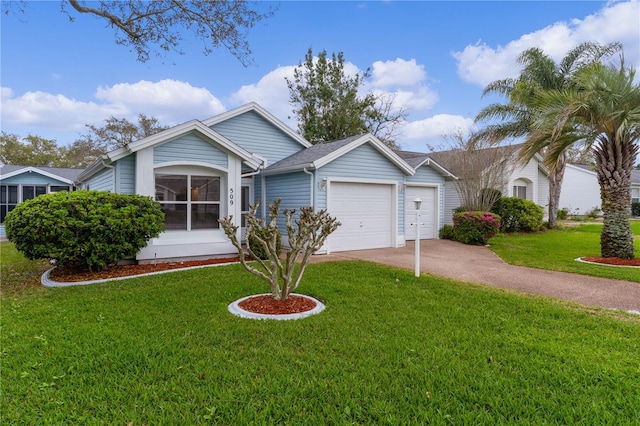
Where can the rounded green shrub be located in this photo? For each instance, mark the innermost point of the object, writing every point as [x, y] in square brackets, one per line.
[475, 227]
[446, 232]
[518, 215]
[635, 208]
[84, 229]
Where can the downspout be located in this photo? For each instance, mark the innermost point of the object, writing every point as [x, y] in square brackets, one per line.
[312, 194]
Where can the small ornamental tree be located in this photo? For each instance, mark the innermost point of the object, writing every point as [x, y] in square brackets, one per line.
[306, 237]
[84, 229]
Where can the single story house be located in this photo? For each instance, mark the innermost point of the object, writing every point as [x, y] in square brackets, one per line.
[22, 183]
[581, 191]
[201, 171]
[530, 181]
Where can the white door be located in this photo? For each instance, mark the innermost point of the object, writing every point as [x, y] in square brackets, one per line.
[365, 211]
[428, 209]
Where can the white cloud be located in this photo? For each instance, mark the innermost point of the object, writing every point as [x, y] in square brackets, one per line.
[397, 73]
[434, 128]
[481, 64]
[170, 101]
[271, 92]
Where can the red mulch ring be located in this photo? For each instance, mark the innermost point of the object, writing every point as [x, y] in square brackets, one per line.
[69, 275]
[612, 261]
[265, 304]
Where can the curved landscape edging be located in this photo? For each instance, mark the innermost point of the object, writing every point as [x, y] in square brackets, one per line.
[235, 309]
[579, 259]
[48, 282]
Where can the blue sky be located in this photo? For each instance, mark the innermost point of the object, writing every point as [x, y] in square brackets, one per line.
[434, 57]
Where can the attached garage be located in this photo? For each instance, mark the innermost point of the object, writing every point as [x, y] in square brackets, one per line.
[367, 214]
[428, 212]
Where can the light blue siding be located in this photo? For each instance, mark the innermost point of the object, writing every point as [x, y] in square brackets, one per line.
[293, 188]
[190, 148]
[102, 181]
[32, 178]
[364, 162]
[126, 175]
[426, 174]
[256, 135]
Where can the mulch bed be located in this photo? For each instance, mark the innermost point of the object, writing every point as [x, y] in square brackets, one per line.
[616, 261]
[265, 304]
[69, 275]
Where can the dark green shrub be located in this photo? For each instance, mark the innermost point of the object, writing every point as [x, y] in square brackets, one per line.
[475, 227]
[518, 215]
[635, 208]
[562, 214]
[495, 195]
[84, 229]
[446, 232]
[593, 213]
[257, 247]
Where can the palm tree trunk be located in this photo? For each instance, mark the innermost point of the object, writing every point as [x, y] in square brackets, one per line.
[555, 186]
[614, 161]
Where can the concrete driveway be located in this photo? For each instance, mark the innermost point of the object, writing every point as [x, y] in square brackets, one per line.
[479, 264]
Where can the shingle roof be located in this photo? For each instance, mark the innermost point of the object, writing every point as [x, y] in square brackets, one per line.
[63, 172]
[311, 154]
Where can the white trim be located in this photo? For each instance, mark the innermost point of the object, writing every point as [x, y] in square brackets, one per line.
[190, 164]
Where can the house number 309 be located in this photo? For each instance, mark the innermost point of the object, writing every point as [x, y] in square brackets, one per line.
[230, 196]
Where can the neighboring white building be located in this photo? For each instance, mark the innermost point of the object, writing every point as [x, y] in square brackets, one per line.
[581, 191]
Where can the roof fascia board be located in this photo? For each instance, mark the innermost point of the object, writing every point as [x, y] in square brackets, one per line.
[253, 106]
[289, 169]
[438, 167]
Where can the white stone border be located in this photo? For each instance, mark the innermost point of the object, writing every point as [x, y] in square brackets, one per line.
[235, 309]
[579, 259]
[48, 282]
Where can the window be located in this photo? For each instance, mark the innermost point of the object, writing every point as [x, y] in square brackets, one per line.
[520, 191]
[8, 199]
[57, 188]
[189, 202]
[32, 191]
[635, 195]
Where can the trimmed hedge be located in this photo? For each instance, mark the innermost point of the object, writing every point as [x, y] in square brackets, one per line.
[475, 227]
[84, 229]
[635, 208]
[518, 215]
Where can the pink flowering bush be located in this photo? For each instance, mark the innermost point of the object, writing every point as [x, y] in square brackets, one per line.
[475, 227]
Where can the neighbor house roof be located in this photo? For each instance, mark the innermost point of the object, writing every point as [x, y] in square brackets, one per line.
[67, 175]
[419, 159]
[319, 155]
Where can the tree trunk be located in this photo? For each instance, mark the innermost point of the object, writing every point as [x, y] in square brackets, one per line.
[555, 186]
[614, 161]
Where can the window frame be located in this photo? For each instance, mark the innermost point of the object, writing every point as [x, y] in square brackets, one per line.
[189, 203]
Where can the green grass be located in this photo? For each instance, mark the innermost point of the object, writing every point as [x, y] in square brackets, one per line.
[16, 271]
[389, 349]
[557, 250]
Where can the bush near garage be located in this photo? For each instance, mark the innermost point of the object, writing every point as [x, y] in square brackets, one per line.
[635, 208]
[84, 229]
[519, 215]
[475, 227]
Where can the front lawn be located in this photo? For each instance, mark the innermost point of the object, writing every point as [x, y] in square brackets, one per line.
[557, 250]
[389, 349]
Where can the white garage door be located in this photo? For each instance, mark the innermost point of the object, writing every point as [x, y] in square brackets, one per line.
[365, 211]
[427, 212]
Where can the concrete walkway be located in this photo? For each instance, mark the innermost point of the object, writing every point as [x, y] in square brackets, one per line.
[480, 265]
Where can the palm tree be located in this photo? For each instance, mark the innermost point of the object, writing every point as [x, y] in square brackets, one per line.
[602, 109]
[539, 73]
